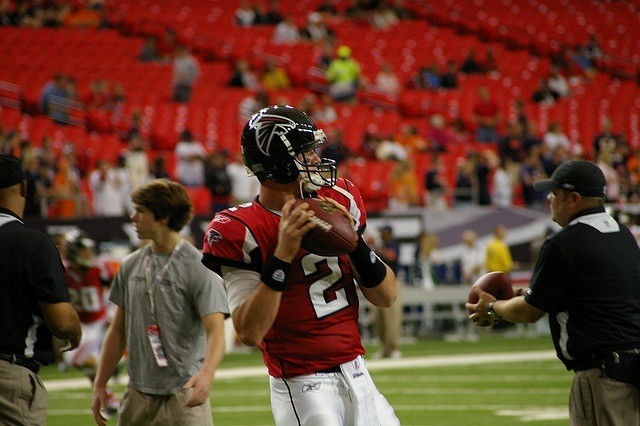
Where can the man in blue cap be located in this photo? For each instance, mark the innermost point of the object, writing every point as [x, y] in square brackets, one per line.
[587, 278]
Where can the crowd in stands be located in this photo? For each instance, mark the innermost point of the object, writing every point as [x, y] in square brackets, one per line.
[446, 162]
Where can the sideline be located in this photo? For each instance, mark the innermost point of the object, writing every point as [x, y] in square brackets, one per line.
[374, 364]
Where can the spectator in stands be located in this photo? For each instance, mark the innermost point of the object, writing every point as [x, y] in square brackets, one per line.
[11, 144]
[149, 50]
[56, 88]
[465, 183]
[511, 149]
[252, 104]
[410, 138]
[427, 257]
[274, 77]
[498, 253]
[387, 80]
[158, 168]
[286, 32]
[388, 148]
[108, 190]
[470, 65]
[486, 115]
[605, 161]
[502, 186]
[243, 76]
[482, 170]
[592, 49]
[544, 94]
[383, 16]
[532, 170]
[190, 155]
[460, 134]
[245, 14]
[343, 75]
[323, 54]
[582, 59]
[325, 112]
[449, 78]
[555, 137]
[607, 138]
[244, 188]
[316, 29]
[437, 135]
[136, 162]
[186, 71]
[404, 187]
[558, 83]
[428, 77]
[218, 180]
[168, 44]
[436, 184]
[472, 260]
[36, 188]
[335, 149]
[273, 16]
[65, 191]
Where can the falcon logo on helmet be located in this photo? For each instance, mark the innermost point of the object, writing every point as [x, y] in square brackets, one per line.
[267, 126]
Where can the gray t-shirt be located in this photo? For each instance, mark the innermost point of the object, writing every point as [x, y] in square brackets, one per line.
[185, 293]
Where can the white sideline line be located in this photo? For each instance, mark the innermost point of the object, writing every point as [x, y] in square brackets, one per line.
[376, 364]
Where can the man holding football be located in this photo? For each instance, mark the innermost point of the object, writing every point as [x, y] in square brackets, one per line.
[587, 278]
[300, 308]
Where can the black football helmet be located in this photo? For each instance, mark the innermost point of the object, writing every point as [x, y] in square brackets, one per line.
[76, 242]
[274, 143]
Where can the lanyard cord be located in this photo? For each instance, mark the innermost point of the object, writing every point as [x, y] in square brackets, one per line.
[152, 282]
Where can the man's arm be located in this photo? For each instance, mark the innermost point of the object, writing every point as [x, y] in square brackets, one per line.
[112, 350]
[384, 294]
[201, 382]
[63, 322]
[514, 310]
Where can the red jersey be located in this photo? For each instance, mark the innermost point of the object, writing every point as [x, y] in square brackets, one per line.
[87, 296]
[316, 327]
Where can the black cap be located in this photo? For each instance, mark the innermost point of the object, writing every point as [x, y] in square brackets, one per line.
[580, 176]
[11, 172]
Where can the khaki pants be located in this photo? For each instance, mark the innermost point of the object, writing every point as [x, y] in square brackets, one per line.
[140, 409]
[23, 397]
[600, 401]
[387, 323]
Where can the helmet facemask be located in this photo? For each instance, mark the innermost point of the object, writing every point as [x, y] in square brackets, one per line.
[314, 176]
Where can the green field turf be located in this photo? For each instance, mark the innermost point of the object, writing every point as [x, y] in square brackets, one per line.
[509, 393]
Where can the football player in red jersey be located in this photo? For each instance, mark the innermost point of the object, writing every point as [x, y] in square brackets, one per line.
[87, 283]
[299, 308]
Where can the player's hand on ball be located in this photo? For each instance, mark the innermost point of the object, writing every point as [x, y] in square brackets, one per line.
[294, 224]
[479, 312]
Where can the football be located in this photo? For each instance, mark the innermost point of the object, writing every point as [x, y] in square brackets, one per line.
[334, 234]
[496, 283]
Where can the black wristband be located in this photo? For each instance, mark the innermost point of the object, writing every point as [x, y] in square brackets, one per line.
[371, 269]
[274, 273]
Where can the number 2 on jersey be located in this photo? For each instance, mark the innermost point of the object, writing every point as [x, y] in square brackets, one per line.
[327, 293]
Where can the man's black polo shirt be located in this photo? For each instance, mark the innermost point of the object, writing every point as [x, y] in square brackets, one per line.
[30, 271]
[587, 279]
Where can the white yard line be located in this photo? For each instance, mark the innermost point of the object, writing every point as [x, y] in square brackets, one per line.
[376, 364]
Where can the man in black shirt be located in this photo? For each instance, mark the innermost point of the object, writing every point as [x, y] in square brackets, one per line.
[34, 305]
[587, 278]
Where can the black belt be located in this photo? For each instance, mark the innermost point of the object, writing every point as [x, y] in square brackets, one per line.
[21, 361]
[335, 369]
[597, 360]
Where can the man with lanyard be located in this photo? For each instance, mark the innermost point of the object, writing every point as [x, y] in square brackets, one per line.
[587, 278]
[170, 314]
[35, 304]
